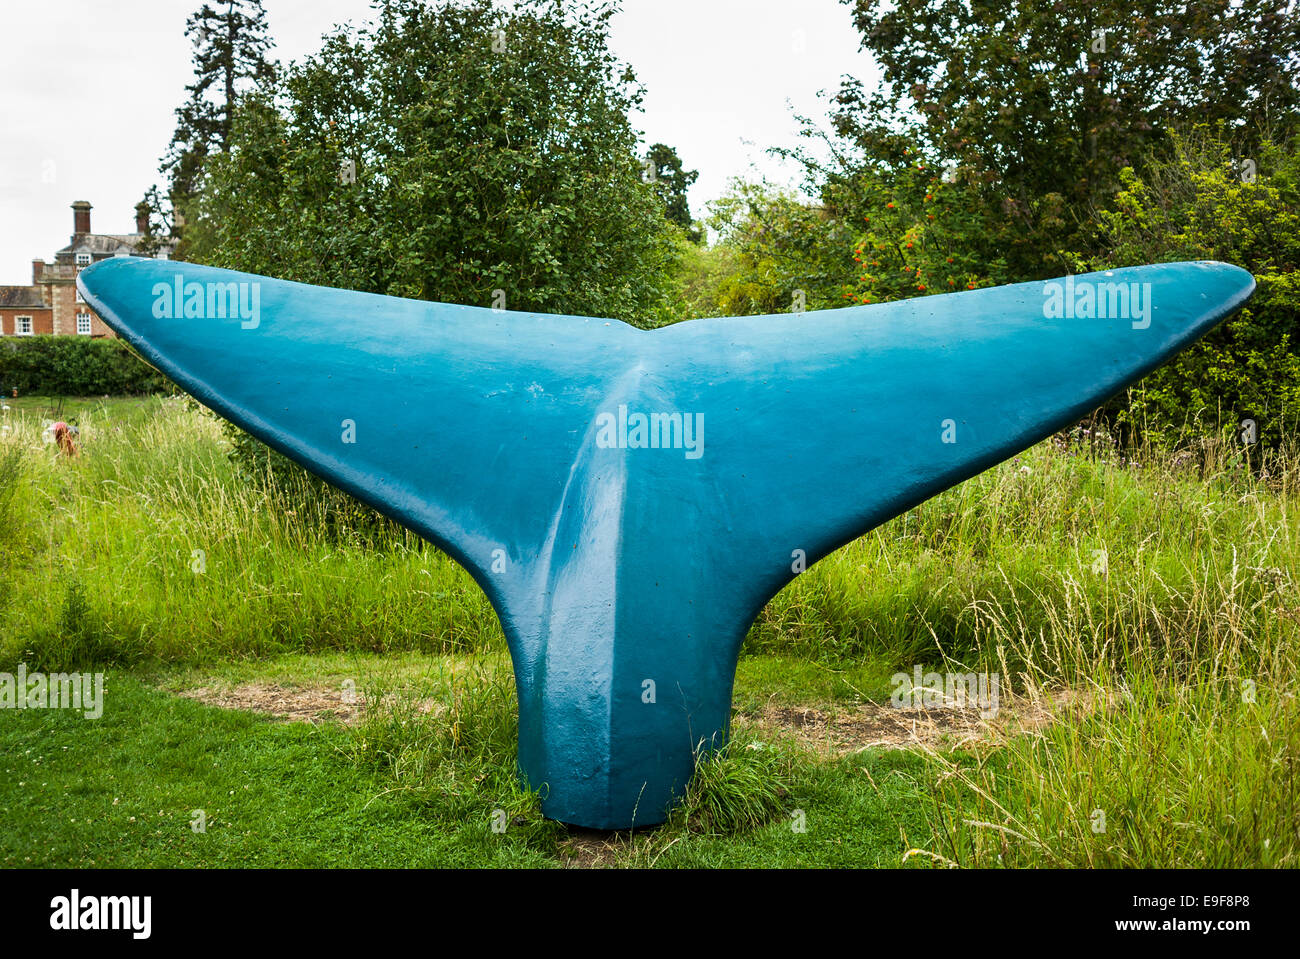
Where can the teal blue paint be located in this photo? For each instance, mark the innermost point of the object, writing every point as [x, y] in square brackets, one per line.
[513, 442]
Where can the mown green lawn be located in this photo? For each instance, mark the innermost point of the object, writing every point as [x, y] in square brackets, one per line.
[123, 791]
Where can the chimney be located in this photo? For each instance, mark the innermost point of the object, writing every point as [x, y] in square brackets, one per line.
[38, 271]
[80, 218]
[142, 217]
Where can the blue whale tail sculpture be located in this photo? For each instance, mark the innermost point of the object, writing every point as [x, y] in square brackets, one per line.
[629, 500]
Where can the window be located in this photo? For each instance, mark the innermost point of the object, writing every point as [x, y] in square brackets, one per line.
[83, 259]
[22, 326]
[83, 324]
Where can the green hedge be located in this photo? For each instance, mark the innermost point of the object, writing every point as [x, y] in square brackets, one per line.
[75, 366]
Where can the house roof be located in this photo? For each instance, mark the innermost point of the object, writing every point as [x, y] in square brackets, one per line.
[21, 298]
[108, 243]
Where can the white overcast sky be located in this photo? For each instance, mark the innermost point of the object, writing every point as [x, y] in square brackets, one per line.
[88, 89]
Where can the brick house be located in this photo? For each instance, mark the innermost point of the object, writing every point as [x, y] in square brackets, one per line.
[51, 305]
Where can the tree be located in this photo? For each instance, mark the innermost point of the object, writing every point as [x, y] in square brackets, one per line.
[925, 233]
[1200, 203]
[466, 153]
[230, 55]
[671, 181]
[1036, 107]
[776, 253]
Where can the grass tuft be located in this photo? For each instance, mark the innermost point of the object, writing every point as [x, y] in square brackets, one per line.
[738, 787]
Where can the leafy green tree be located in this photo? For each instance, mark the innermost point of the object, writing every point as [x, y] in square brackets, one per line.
[1205, 202]
[922, 233]
[465, 153]
[664, 169]
[701, 275]
[1036, 107]
[783, 252]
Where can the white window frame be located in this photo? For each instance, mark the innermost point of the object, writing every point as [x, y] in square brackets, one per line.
[84, 259]
[30, 331]
[86, 331]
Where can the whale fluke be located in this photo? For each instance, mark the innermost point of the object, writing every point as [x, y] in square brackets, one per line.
[629, 500]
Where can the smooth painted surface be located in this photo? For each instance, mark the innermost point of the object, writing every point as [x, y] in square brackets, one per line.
[626, 578]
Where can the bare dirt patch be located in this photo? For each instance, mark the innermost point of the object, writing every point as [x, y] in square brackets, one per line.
[829, 729]
[310, 704]
[851, 728]
[592, 848]
[300, 703]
